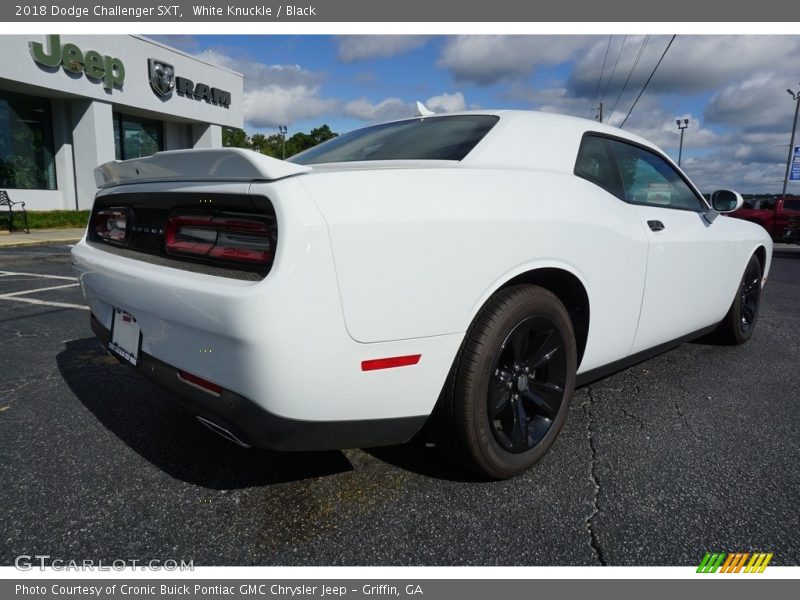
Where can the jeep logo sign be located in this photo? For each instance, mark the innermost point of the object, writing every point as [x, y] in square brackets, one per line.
[96, 66]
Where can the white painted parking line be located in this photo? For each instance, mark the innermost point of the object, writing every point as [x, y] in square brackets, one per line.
[45, 303]
[9, 273]
[47, 289]
[15, 296]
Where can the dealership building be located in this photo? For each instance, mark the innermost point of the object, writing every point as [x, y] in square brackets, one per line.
[71, 102]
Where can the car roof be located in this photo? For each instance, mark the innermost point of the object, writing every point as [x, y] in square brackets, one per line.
[521, 139]
[525, 139]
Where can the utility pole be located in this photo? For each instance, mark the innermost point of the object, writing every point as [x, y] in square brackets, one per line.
[599, 116]
[283, 129]
[796, 98]
[681, 127]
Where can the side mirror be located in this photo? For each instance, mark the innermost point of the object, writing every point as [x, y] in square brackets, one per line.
[725, 201]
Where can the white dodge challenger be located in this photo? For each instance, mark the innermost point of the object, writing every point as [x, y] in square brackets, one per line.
[466, 270]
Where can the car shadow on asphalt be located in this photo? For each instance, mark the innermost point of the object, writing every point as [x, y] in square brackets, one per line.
[156, 427]
[423, 458]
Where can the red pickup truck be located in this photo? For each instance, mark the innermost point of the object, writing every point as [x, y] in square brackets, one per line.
[779, 215]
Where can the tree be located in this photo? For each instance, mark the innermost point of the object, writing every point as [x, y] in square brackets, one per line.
[322, 134]
[303, 141]
[269, 145]
[273, 145]
[235, 138]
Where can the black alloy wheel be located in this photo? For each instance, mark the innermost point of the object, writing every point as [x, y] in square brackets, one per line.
[508, 393]
[738, 325]
[527, 386]
[750, 291]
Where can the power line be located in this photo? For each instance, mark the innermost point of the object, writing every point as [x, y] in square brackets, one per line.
[613, 69]
[646, 83]
[630, 73]
[602, 72]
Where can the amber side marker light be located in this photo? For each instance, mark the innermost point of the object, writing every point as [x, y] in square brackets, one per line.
[390, 363]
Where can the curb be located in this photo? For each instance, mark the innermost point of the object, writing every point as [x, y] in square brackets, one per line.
[39, 242]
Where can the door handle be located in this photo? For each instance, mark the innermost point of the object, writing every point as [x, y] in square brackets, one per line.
[655, 225]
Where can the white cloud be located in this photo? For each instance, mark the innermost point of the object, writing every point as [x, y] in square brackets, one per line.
[447, 102]
[488, 59]
[554, 99]
[187, 43]
[387, 109]
[659, 127]
[277, 94]
[694, 63]
[365, 47]
[392, 108]
[273, 106]
[757, 103]
[258, 74]
[723, 170]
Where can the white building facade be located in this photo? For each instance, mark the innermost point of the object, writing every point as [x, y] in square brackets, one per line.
[71, 102]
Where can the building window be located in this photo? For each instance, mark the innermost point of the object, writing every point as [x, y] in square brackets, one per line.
[135, 137]
[26, 143]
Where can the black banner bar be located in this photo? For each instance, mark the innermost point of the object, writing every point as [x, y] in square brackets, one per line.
[460, 11]
[729, 587]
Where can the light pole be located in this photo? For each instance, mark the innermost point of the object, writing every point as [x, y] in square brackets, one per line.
[796, 98]
[283, 129]
[681, 127]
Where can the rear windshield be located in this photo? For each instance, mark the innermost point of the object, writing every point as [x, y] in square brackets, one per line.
[426, 138]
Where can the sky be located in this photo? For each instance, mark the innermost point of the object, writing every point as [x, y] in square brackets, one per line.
[731, 88]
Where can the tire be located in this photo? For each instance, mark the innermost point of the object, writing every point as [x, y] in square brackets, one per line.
[494, 418]
[738, 325]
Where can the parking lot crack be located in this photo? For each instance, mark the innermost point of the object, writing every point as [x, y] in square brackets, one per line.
[680, 412]
[594, 540]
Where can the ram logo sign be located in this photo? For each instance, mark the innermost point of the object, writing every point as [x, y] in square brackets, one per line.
[202, 91]
[162, 77]
[163, 81]
[734, 562]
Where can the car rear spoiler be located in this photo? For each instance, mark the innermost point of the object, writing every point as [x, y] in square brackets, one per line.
[217, 164]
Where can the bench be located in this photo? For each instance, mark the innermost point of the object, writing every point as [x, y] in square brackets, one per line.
[5, 200]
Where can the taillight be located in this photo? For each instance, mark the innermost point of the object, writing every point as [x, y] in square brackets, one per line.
[219, 237]
[111, 225]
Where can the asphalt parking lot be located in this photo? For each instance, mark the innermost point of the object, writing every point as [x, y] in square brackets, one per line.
[696, 450]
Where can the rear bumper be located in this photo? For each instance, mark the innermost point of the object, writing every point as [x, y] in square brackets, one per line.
[281, 342]
[252, 425]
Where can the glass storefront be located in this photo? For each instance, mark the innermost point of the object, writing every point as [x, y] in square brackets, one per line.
[135, 137]
[26, 143]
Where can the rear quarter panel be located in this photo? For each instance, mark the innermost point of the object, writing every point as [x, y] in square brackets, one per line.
[417, 252]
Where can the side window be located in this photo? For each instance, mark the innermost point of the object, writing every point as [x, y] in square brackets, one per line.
[594, 164]
[649, 179]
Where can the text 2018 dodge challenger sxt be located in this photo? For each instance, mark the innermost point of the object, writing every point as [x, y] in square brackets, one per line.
[468, 269]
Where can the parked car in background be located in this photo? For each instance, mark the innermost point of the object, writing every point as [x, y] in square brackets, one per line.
[779, 215]
[463, 270]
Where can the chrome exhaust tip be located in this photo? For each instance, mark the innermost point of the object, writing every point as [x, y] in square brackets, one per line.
[220, 430]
